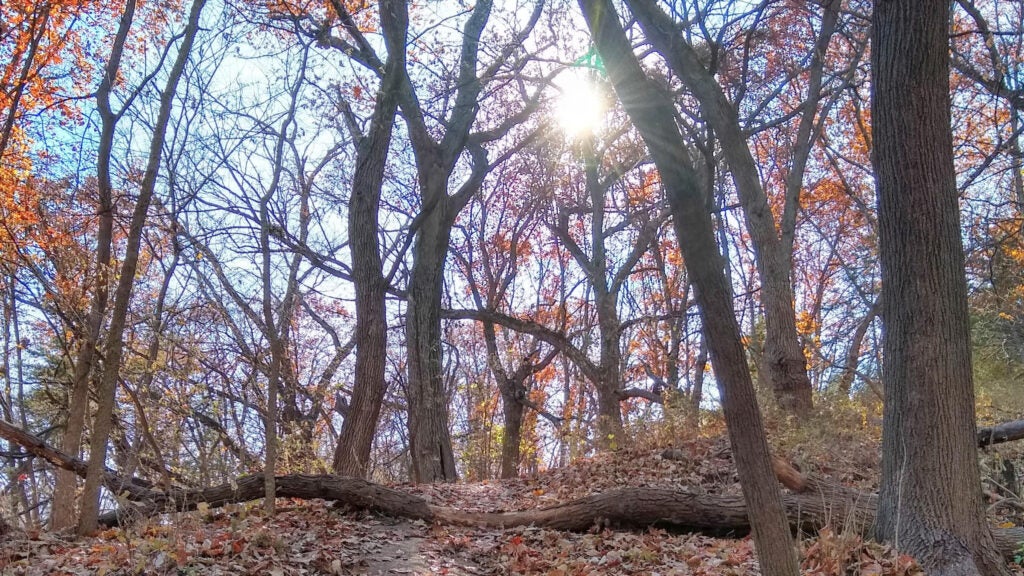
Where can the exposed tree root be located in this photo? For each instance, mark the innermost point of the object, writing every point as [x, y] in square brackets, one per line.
[814, 504]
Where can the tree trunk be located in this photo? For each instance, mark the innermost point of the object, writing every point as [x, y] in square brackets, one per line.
[609, 382]
[352, 454]
[429, 440]
[648, 107]
[849, 374]
[113, 348]
[512, 408]
[930, 504]
[65, 484]
[697, 392]
[609, 412]
[432, 457]
[784, 358]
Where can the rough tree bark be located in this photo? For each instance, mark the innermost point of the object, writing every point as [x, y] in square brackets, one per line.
[930, 504]
[430, 442]
[650, 108]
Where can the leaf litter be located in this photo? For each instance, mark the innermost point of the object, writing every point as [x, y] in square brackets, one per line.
[317, 538]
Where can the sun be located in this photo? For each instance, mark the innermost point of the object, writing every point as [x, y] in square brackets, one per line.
[581, 105]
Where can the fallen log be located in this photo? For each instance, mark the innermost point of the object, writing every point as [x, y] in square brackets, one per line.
[1005, 432]
[132, 488]
[815, 503]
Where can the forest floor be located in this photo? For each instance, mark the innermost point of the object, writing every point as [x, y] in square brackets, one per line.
[314, 537]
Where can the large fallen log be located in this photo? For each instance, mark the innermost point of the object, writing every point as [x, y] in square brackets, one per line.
[815, 503]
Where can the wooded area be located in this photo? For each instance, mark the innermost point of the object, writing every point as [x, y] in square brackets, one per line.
[317, 249]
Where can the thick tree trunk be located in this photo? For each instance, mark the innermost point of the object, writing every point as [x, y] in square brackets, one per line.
[430, 443]
[352, 454]
[930, 503]
[649, 107]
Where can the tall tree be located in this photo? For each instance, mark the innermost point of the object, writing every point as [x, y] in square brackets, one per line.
[114, 344]
[352, 454]
[436, 161]
[930, 503]
[783, 356]
[649, 105]
[439, 153]
[65, 487]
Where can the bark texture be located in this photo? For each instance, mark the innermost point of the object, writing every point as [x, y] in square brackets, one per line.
[429, 438]
[930, 504]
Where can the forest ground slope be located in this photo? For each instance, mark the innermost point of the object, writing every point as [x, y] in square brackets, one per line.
[316, 537]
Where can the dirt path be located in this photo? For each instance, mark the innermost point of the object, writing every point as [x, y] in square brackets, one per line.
[402, 547]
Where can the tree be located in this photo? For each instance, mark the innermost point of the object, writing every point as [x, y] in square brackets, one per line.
[607, 271]
[352, 454]
[930, 503]
[436, 161]
[78, 402]
[114, 344]
[440, 153]
[648, 105]
[783, 356]
[500, 236]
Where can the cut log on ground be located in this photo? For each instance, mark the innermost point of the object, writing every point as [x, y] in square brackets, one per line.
[815, 503]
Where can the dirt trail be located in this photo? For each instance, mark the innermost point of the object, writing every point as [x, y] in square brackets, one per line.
[406, 548]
